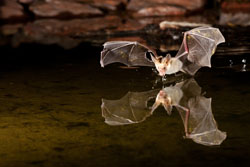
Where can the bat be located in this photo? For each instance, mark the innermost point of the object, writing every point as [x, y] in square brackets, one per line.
[130, 109]
[197, 47]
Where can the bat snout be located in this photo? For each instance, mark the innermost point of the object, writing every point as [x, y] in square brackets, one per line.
[162, 72]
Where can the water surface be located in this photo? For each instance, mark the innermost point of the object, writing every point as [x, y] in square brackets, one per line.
[50, 114]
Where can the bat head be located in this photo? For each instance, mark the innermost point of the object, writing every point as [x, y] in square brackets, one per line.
[163, 99]
[161, 63]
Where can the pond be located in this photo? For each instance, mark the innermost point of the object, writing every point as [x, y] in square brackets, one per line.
[60, 108]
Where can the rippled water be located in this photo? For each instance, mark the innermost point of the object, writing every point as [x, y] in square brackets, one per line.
[51, 115]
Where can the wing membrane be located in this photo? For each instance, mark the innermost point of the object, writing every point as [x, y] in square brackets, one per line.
[126, 52]
[200, 45]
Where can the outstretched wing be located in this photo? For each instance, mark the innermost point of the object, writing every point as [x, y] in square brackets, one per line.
[126, 52]
[198, 45]
[201, 125]
[131, 108]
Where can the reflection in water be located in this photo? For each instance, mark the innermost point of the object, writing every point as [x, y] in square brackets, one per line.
[194, 109]
[132, 108]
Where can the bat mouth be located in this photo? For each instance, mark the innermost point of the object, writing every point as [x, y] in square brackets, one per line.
[162, 72]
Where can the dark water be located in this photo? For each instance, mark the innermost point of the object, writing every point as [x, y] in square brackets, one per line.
[50, 113]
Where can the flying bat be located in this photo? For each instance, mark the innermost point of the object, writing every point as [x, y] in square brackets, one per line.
[197, 47]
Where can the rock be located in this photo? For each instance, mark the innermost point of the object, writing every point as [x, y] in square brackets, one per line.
[232, 7]
[26, 1]
[109, 4]
[56, 8]
[72, 27]
[161, 11]
[232, 19]
[65, 33]
[11, 9]
[189, 5]
[10, 29]
[172, 24]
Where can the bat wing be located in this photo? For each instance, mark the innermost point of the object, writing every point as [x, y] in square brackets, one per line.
[198, 45]
[131, 108]
[190, 88]
[201, 123]
[126, 52]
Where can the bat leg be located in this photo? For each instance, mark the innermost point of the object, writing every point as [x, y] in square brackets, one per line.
[186, 122]
[185, 42]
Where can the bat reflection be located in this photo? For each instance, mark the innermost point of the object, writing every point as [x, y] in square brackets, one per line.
[131, 108]
[194, 109]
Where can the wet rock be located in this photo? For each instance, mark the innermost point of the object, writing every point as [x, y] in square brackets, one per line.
[232, 6]
[56, 8]
[10, 29]
[11, 9]
[65, 33]
[161, 11]
[232, 19]
[173, 24]
[172, 7]
[109, 4]
[70, 33]
[26, 1]
[72, 27]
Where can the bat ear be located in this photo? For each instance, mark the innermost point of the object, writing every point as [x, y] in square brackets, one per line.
[168, 108]
[153, 57]
[168, 56]
[166, 59]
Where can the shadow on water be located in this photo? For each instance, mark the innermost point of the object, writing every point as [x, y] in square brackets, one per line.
[50, 113]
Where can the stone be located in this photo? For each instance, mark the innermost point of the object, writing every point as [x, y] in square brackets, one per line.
[174, 24]
[109, 4]
[189, 5]
[233, 7]
[72, 27]
[161, 11]
[57, 8]
[10, 29]
[65, 33]
[11, 9]
[231, 19]
[26, 1]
